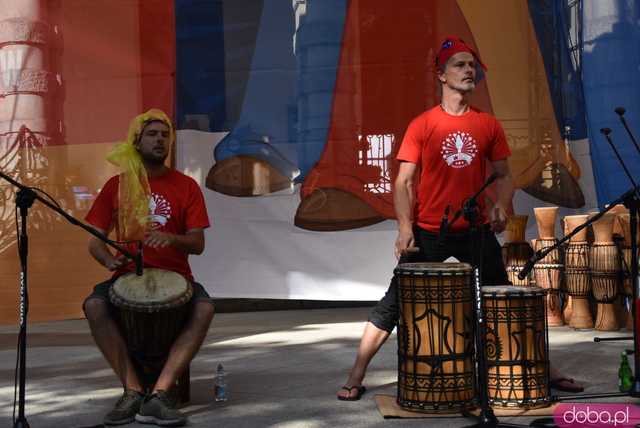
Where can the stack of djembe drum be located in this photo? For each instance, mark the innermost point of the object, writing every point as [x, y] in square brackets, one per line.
[588, 279]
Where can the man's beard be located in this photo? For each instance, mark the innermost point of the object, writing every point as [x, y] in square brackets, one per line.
[154, 160]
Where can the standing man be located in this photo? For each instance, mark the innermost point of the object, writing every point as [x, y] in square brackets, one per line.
[165, 210]
[444, 157]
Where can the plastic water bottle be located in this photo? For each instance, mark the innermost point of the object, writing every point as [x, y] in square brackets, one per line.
[220, 385]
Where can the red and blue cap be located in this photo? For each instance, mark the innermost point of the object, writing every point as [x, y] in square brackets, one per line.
[453, 45]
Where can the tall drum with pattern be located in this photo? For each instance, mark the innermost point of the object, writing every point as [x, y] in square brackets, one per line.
[517, 346]
[435, 337]
[516, 251]
[605, 273]
[515, 255]
[624, 221]
[577, 272]
[548, 271]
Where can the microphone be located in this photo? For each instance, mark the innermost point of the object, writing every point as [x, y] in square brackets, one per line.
[138, 259]
[606, 132]
[620, 111]
[444, 225]
[471, 202]
[492, 178]
[527, 267]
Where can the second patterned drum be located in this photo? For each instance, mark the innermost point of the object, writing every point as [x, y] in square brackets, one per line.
[517, 346]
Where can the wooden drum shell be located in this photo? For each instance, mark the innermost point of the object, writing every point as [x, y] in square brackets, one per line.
[149, 329]
[435, 337]
[517, 346]
[515, 255]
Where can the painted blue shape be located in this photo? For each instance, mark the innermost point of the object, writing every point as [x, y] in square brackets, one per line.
[610, 69]
[237, 66]
[318, 46]
[550, 20]
[286, 110]
[264, 128]
[215, 41]
[200, 55]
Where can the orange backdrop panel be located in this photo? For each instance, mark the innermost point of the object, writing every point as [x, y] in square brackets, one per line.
[114, 59]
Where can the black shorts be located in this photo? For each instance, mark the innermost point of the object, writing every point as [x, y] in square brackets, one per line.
[101, 291]
[385, 314]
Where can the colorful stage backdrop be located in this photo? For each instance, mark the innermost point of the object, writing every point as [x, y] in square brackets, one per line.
[289, 115]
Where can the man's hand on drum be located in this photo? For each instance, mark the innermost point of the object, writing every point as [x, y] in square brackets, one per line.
[498, 218]
[405, 243]
[112, 263]
[159, 239]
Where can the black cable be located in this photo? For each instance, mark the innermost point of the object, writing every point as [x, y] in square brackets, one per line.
[51, 198]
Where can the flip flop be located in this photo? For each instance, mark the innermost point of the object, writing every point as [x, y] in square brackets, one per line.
[566, 384]
[361, 390]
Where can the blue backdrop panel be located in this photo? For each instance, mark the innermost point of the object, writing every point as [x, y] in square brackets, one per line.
[214, 48]
[550, 20]
[610, 69]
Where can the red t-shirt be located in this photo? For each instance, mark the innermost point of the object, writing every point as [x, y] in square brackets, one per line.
[176, 206]
[451, 153]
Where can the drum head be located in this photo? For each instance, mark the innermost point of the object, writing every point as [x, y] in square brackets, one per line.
[510, 290]
[155, 287]
[428, 268]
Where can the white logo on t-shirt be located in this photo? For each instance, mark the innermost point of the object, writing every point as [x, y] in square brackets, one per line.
[159, 211]
[458, 149]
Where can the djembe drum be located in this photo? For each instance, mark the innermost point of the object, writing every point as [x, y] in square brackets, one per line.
[517, 346]
[577, 279]
[624, 221]
[547, 271]
[605, 273]
[617, 210]
[435, 337]
[516, 251]
[152, 311]
[619, 239]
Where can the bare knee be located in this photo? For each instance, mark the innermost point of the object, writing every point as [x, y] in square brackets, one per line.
[96, 310]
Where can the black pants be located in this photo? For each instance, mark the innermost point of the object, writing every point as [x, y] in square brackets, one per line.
[459, 245]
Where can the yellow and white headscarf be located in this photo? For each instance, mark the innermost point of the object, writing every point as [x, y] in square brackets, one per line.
[134, 191]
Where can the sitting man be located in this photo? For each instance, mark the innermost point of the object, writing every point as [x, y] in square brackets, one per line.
[165, 210]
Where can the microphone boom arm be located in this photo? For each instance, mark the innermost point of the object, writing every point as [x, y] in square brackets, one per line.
[69, 217]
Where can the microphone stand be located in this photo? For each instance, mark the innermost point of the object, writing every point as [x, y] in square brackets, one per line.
[25, 197]
[471, 213]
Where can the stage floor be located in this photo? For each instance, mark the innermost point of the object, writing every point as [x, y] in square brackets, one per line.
[284, 368]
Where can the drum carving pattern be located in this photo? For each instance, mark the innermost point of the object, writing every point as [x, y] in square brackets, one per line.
[435, 337]
[517, 346]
